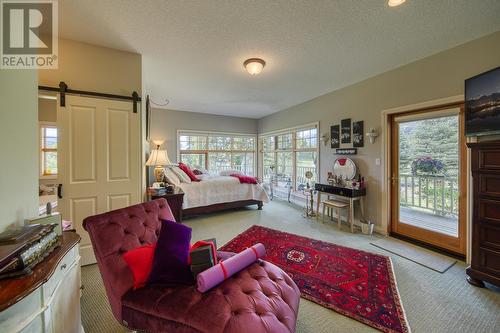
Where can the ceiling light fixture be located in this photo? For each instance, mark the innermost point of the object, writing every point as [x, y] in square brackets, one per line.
[394, 3]
[254, 65]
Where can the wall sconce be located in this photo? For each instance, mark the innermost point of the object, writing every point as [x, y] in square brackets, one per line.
[158, 142]
[325, 138]
[372, 134]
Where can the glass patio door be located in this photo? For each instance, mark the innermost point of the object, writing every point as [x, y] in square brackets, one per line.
[427, 178]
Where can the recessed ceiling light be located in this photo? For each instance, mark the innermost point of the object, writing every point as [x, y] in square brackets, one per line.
[394, 3]
[254, 65]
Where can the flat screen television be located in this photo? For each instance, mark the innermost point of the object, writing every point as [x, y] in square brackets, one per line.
[482, 104]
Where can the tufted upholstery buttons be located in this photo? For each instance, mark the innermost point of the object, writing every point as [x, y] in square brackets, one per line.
[242, 303]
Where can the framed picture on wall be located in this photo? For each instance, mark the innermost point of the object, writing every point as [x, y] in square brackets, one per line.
[345, 130]
[335, 136]
[358, 134]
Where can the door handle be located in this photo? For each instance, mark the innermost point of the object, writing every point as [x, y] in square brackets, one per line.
[59, 191]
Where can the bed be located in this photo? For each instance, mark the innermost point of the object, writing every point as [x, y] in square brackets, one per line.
[215, 193]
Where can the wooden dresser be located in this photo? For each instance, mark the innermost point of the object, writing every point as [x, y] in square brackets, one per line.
[48, 300]
[485, 259]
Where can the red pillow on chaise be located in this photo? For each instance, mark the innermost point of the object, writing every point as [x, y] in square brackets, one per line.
[140, 262]
[188, 172]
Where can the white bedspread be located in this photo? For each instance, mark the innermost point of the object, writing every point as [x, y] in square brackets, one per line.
[220, 189]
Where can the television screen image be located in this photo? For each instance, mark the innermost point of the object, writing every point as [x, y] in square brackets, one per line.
[482, 104]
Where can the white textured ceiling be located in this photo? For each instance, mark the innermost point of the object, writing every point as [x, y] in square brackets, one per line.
[193, 50]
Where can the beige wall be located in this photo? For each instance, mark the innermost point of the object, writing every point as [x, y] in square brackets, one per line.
[18, 146]
[165, 123]
[439, 76]
[95, 68]
[47, 110]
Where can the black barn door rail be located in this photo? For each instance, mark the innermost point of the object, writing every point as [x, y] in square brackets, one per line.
[63, 90]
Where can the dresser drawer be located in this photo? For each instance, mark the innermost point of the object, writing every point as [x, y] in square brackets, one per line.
[489, 236]
[489, 211]
[489, 260]
[338, 190]
[61, 270]
[489, 159]
[17, 317]
[489, 184]
[35, 326]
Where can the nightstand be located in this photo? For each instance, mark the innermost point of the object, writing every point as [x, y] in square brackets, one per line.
[174, 200]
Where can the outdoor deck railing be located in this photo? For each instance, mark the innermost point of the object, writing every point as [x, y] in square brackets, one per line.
[301, 171]
[436, 193]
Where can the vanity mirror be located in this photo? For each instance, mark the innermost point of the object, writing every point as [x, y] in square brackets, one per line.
[344, 167]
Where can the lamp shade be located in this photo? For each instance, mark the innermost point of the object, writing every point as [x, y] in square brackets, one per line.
[158, 157]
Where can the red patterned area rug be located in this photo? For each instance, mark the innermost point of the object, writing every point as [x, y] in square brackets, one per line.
[357, 284]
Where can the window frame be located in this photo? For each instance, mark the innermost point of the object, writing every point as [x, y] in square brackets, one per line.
[42, 125]
[293, 149]
[207, 151]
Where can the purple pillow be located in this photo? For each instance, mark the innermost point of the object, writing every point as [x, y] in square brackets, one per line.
[170, 262]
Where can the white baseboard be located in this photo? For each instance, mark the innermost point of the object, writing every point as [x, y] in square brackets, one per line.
[87, 255]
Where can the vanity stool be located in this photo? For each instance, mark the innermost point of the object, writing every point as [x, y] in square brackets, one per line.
[332, 205]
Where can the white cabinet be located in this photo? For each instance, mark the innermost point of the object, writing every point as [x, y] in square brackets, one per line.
[54, 306]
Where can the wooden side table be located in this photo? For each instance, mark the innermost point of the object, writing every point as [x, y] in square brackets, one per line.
[175, 201]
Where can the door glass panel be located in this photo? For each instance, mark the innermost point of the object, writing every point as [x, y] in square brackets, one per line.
[305, 161]
[283, 177]
[268, 165]
[428, 174]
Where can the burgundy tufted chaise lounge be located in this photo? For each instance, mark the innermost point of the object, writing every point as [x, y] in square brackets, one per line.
[261, 298]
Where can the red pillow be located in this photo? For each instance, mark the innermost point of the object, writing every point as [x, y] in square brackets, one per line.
[188, 172]
[140, 262]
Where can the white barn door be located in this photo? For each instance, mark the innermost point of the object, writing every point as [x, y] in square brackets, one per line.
[98, 160]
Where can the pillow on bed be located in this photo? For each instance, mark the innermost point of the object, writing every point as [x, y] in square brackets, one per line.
[171, 177]
[181, 174]
[230, 172]
[198, 170]
[188, 172]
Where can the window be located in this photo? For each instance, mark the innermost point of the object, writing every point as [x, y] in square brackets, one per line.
[289, 154]
[218, 151]
[48, 150]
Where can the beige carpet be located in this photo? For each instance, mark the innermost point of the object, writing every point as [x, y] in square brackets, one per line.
[434, 302]
[427, 258]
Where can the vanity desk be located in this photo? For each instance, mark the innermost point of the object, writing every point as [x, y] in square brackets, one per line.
[344, 171]
[350, 194]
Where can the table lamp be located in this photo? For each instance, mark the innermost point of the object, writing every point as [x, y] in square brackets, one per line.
[158, 159]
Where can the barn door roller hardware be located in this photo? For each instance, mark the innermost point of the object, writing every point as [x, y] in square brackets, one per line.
[63, 90]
